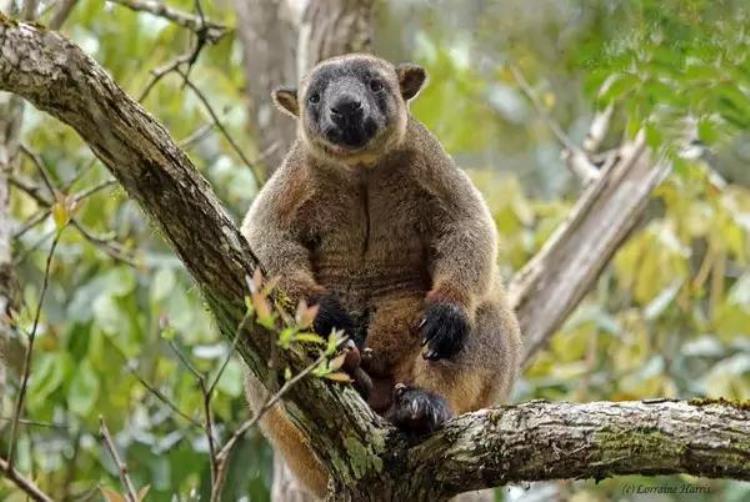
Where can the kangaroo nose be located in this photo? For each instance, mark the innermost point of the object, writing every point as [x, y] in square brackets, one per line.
[346, 109]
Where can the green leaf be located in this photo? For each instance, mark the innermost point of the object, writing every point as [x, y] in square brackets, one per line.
[309, 338]
[48, 373]
[162, 284]
[84, 389]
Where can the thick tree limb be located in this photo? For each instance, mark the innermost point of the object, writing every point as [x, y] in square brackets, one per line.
[527, 442]
[542, 441]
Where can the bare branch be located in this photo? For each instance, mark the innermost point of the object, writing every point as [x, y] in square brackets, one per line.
[220, 126]
[34, 423]
[223, 455]
[28, 12]
[24, 484]
[575, 158]
[109, 245]
[36, 159]
[64, 8]
[197, 135]
[598, 129]
[153, 390]
[29, 188]
[240, 329]
[552, 283]
[26, 372]
[122, 469]
[213, 31]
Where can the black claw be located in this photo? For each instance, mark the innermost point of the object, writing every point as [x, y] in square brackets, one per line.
[417, 411]
[444, 330]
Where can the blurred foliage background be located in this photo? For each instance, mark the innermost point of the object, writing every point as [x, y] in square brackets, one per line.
[669, 317]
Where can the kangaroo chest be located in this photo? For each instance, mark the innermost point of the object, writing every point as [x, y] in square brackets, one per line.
[370, 241]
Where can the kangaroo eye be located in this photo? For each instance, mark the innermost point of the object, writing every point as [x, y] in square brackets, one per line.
[314, 98]
[376, 85]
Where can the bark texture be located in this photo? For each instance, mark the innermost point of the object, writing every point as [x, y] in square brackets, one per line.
[543, 441]
[367, 458]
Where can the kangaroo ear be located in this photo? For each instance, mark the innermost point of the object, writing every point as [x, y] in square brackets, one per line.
[411, 78]
[285, 99]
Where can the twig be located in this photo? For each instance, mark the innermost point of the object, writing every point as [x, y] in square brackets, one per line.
[574, 157]
[27, 359]
[122, 468]
[156, 392]
[208, 425]
[196, 135]
[159, 73]
[223, 455]
[110, 245]
[39, 164]
[34, 423]
[200, 39]
[220, 126]
[29, 10]
[238, 333]
[61, 14]
[42, 215]
[183, 358]
[94, 189]
[70, 472]
[26, 485]
[209, 429]
[31, 223]
[79, 173]
[28, 188]
[214, 31]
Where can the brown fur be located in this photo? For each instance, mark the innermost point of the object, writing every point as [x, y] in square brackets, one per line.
[389, 231]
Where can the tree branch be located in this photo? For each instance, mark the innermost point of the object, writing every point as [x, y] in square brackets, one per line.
[554, 281]
[122, 468]
[542, 441]
[213, 31]
[24, 484]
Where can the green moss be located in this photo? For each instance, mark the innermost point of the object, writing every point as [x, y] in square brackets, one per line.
[358, 456]
[705, 401]
[649, 440]
[7, 21]
[362, 458]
